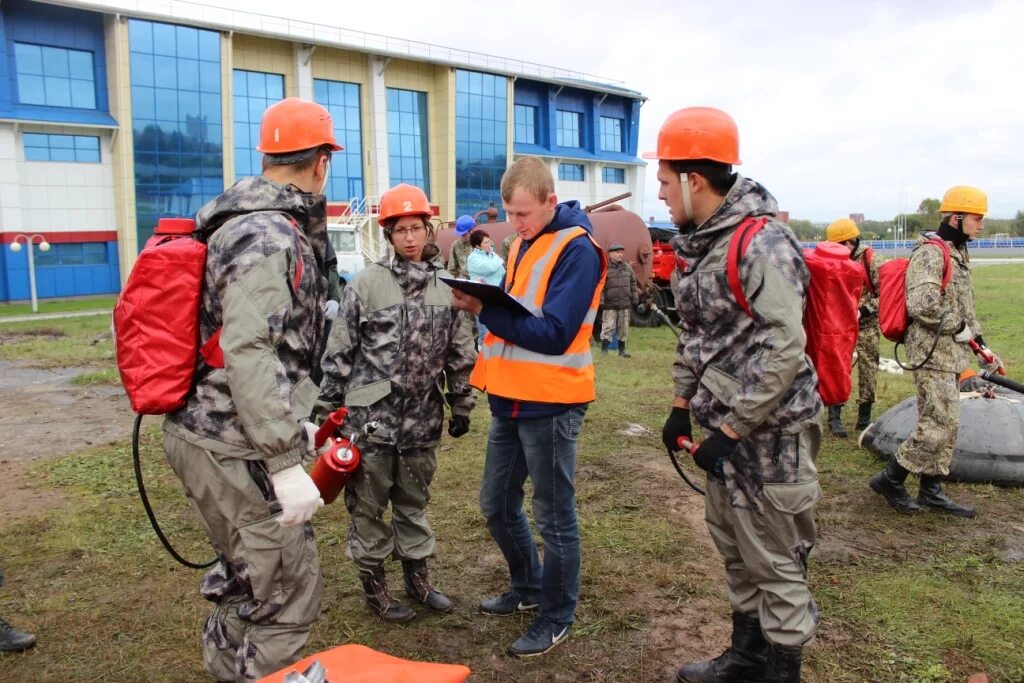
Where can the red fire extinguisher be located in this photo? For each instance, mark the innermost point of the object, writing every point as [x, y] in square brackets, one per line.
[334, 468]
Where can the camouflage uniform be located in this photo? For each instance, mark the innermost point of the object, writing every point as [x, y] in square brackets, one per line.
[243, 422]
[868, 334]
[396, 340]
[619, 293]
[751, 374]
[506, 243]
[929, 450]
[458, 257]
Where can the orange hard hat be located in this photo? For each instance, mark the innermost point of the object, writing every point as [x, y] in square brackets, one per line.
[403, 200]
[698, 133]
[295, 125]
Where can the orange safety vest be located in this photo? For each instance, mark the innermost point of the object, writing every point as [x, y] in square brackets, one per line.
[506, 370]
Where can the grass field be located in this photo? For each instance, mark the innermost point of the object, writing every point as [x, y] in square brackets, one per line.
[92, 303]
[926, 599]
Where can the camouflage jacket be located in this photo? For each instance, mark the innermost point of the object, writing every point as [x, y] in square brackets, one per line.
[458, 257]
[750, 373]
[253, 407]
[397, 337]
[934, 313]
[619, 287]
[868, 295]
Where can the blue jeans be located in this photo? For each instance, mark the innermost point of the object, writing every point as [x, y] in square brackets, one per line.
[543, 449]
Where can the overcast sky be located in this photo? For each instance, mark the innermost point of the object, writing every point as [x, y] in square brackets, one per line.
[838, 103]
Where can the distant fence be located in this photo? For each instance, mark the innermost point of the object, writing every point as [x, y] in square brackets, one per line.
[905, 245]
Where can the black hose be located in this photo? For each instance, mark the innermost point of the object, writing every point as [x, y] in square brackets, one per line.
[149, 508]
[996, 378]
[683, 474]
[935, 343]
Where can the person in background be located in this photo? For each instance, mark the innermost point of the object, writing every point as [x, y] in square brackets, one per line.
[620, 294]
[484, 266]
[458, 254]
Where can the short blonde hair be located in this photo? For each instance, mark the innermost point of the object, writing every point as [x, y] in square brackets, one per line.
[531, 174]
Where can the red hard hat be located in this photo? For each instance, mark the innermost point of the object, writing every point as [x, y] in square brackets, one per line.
[295, 125]
[403, 200]
[698, 133]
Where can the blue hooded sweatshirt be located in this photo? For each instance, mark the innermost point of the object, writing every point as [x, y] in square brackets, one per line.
[566, 303]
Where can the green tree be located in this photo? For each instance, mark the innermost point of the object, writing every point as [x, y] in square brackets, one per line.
[805, 230]
[1017, 224]
[929, 206]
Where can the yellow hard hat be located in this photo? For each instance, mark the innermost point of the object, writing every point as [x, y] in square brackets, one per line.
[964, 199]
[842, 230]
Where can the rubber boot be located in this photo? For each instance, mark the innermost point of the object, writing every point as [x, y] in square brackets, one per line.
[932, 496]
[379, 598]
[622, 350]
[889, 484]
[604, 347]
[417, 586]
[783, 664]
[743, 661]
[835, 423]
[863, 416]
[13, 640]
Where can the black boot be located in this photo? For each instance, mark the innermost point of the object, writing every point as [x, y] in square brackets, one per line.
[783, 664]
[863, 416]
[744, 660]
[13, 640]
[604, 347]
[417, 586]
[378, 597]
[622, 350]
[889, 484]
[932, 496]
[835, 423]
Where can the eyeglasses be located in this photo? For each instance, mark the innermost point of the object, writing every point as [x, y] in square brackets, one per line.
[402, 232]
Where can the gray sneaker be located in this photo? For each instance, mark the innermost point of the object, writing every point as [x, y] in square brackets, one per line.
[541, 637]
[507, 604]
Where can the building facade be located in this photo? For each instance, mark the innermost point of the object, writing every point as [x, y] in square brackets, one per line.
[112, 117]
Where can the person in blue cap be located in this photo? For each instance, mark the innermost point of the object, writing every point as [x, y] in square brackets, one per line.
[458, 255]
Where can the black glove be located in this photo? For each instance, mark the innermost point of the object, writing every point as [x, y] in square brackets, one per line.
[713, 451]
[458, 425]
[677, 425]
[864, 313]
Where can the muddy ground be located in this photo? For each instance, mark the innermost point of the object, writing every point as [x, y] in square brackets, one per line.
[44, 415]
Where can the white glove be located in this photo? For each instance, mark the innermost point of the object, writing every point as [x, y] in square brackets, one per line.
[995, 366]
[311, 430]
[297, 494]
[331, 309]
[965, 335]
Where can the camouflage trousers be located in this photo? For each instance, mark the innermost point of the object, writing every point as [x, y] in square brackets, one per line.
[403, 479]
[766, 553]
[867, 361]
[612, 320]
[266, 585]
[929, 450]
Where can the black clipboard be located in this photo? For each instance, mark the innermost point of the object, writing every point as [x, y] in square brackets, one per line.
[489, 294]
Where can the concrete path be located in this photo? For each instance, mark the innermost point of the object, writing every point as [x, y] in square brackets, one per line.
[52, 316]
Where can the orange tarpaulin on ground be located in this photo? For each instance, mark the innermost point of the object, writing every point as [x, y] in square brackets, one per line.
[359, 664]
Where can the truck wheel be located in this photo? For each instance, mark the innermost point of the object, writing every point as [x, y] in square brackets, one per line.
[643, 316]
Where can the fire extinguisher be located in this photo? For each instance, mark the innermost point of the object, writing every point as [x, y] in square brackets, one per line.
[334, 468]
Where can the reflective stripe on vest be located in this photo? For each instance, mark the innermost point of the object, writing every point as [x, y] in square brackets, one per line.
[506, 370]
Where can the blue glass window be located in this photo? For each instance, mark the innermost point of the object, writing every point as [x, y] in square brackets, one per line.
[342, 100]
[481, 139]
[73, 254]
[55, 147]
[176, 120]
[571, 172]
[55, 76]
[611, 134]
[568, 126]
[253, 92]
[611, 174]
[408, 158]
[526, 124]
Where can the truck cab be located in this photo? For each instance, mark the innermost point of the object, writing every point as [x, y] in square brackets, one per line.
[347, 245]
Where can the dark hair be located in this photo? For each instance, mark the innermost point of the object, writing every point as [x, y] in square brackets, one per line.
[300, 166]
[477, 237]
[719, 176]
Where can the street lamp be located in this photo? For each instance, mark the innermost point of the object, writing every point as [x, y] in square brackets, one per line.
[43, 246]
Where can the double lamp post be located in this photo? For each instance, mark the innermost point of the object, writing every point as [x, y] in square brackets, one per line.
[43, 246]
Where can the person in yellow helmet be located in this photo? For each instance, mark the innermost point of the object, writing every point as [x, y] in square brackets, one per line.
[942, 325]
[844, 231]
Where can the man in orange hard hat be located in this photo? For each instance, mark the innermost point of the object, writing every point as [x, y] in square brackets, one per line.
[239, 443]
[397, 343]
[742, 373]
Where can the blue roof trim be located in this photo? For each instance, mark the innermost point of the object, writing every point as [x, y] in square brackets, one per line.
[82, 117]
[577, 154]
